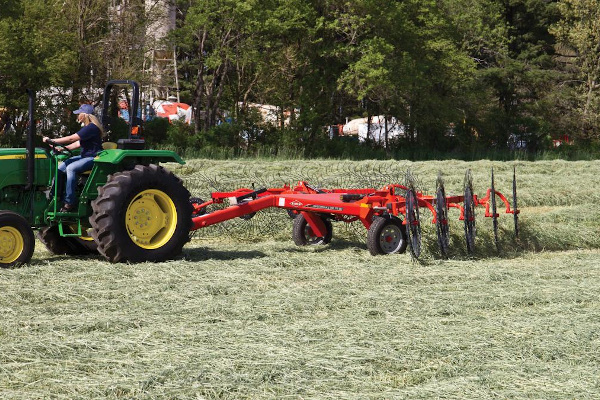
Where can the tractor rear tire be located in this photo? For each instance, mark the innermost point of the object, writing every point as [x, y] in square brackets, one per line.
[143, 214]
[16, 240]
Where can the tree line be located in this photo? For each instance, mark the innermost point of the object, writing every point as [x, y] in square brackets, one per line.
[456, 73]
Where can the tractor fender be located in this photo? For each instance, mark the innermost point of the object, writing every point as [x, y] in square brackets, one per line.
[119, 156]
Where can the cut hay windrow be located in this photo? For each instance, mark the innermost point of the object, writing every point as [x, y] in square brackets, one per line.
[352, 175]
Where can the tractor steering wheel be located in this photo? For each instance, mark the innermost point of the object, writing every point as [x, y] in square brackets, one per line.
[55, 148]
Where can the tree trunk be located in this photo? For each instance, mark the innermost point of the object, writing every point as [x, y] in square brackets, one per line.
[586, 123]
[387, 142]
[199, 87]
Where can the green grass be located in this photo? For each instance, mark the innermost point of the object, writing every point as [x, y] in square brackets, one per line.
[355, 151]
[245, 314]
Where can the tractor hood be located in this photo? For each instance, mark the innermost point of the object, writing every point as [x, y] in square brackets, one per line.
[13, 165]
[117, 156]
[15, 154]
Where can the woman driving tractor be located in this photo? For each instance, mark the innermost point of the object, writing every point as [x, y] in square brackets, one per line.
[89, 138]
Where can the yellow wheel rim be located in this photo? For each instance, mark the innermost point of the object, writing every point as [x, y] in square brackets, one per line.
[11, 244]
[87, 237]
[151, 219]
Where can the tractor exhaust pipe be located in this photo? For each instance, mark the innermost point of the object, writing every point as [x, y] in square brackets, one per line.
[30, 147]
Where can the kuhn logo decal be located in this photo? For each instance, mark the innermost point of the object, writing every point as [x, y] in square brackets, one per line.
[295, 203]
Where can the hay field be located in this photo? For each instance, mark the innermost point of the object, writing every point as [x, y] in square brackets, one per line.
[245, 314]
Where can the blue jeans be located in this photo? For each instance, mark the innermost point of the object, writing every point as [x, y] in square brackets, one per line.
[73, 167]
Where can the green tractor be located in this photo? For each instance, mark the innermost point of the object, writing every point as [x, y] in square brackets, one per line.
[130, 208]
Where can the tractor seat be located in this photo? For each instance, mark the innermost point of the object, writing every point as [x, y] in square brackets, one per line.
[105, 146]
[109, 145]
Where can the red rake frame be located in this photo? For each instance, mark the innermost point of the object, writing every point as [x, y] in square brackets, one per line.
[319, 206]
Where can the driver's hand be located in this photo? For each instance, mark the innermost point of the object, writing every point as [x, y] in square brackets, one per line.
[45, 139]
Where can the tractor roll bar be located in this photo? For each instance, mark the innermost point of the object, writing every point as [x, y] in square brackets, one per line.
[134, 120]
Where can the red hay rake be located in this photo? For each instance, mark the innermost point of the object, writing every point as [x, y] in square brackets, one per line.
[391, 214]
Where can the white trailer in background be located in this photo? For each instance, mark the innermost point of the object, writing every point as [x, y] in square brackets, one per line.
[375, 130]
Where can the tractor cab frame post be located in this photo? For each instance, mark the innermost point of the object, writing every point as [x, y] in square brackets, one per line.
[134, 123]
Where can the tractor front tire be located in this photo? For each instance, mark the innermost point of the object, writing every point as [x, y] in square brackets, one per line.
[16, 240]
[143, 214]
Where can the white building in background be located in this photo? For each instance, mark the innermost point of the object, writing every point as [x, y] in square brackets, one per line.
[376, 130]
[270, 114]
[160, 63]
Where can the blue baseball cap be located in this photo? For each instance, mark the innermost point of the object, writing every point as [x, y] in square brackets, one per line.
[85, 108]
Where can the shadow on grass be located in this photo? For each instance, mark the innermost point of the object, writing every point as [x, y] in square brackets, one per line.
[190, 254]
[532, 239]
[343, 244]
[335, 244]
[203, 254]
[37, 261]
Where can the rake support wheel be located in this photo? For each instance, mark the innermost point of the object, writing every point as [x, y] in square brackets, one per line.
[247, 217]
[143, 214]
[303, 234]
[387, 235]
[196, 201]
[441, 220]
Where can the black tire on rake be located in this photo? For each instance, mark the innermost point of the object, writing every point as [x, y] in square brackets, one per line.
[195, 201]
[515, 213]
[413, 225]
[387, 235]
[469, 213]
[303, 235]
[494, 213]
[249, 216]
[441, 219]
